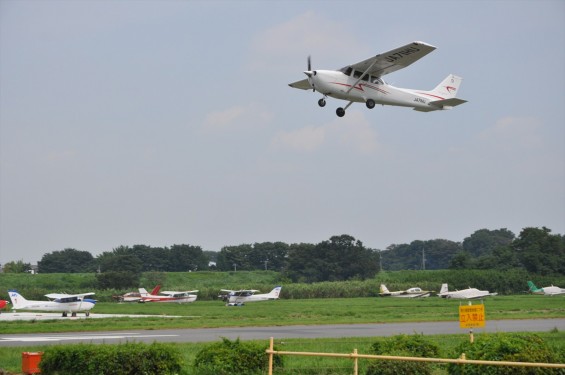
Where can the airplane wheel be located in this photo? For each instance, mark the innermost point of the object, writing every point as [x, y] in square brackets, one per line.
[370, 104]
[340, 112]
[322, 102]
[88, 313]
[64, 315]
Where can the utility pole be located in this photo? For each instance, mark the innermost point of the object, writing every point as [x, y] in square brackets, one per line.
[423, 259]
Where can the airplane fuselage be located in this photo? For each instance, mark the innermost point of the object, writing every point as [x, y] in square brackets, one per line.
[71, 307]
[338, 85]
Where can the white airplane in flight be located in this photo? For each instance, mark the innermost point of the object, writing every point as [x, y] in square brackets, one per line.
[546, 290]
[240, 297]
[362, 82]
[168, 296]
[408, 293]
[470, 293]
[66, 303]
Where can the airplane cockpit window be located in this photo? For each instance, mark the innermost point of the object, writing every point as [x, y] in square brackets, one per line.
[376, 80]
[357, 74]
[347, 71]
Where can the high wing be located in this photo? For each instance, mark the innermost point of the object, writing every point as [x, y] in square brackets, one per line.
[63, 295]
[169, 293]
[393, 60]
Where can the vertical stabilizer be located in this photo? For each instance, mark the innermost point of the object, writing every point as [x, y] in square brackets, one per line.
[384, 289]
[143, 292]
[534, 288]
[18, 301]
[443, 289]
[448, 88]
[275, 292]
[156, 290]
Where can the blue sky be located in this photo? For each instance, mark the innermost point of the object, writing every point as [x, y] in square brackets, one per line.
[171, 122]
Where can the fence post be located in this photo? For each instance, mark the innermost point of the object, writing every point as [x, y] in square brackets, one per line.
[355, 363]
[271, 347]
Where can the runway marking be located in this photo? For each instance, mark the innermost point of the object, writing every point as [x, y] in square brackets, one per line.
[81, 337]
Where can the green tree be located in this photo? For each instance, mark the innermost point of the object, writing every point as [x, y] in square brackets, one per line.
[484, 241]
[340, 258]
[539, 251]
[67, 261]
[16, 267]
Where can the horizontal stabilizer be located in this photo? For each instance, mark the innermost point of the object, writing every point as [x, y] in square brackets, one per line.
[303, 85]
[452, 102]
[441, 104]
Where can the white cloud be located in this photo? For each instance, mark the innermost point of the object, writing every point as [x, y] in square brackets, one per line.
[352, 132]
[329, 41]
[511, 133]
[239, 117]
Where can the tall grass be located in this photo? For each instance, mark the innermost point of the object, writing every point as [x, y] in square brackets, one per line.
[210, 283]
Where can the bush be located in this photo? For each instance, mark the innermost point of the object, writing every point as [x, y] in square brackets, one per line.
[513, 347]
[403, 346]
[123, 359]
[233, 357]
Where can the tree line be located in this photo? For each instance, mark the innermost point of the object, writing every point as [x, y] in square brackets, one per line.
[342, 257]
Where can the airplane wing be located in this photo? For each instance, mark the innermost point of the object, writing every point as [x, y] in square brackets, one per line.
[390, 61]
[169, 293]
[303, 85]
[64, 295]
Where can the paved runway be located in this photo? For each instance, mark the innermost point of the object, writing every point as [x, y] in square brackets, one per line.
[263, 333]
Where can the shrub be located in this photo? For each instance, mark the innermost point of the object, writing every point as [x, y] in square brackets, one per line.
[513, 347]
[403, 346]
[233, 357]
[123, 359]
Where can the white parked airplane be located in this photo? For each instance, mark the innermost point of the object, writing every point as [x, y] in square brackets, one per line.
[546, 290]
[168, 296]
[408, 293]
[362, 82]
[66, 303]
[240, 297]
[470, 293]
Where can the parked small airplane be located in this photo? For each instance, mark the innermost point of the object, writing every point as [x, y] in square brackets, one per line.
[66, 303]
[362, 82]
[546, 290]
[135, 296]
[470, 293]
[408, 293]
[168, 296]
[240, 297]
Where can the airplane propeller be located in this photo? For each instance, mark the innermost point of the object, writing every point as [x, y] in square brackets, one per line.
[309, 72]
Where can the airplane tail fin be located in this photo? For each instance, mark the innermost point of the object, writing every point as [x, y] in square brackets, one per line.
[443, 289]
[156, 290]
[448, 88]
[275, 292]
[533, 287]
[18, 301]
[384, 289]
[143, 292]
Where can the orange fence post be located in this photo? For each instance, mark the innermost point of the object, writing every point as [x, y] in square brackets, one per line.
[30, 362]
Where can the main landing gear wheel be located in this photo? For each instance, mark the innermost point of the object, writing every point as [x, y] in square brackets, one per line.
[322, 102]
[370, 104]
[340, 112]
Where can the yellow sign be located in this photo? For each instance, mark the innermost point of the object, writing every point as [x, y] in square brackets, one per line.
[471, 316]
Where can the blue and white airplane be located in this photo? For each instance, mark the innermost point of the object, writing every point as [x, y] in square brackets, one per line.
[65, 303]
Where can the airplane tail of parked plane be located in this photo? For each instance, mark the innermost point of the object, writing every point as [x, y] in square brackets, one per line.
[534, 288]
[143, 292]
[443, 289]
[448, 88]
[18, 301]
[275, 292]
[384, 289]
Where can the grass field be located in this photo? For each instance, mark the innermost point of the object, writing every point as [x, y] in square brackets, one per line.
[289, 312]
[206, 314]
